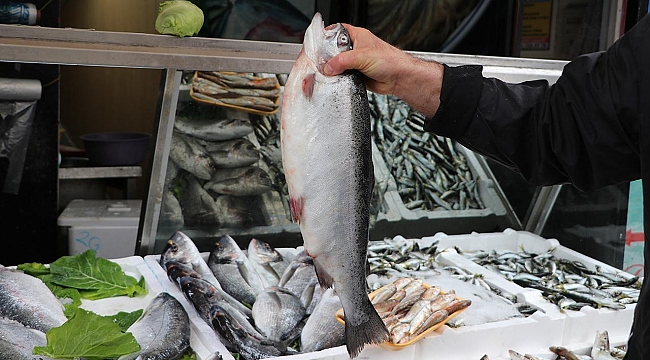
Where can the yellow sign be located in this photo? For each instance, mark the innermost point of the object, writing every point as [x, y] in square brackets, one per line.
[536, 25]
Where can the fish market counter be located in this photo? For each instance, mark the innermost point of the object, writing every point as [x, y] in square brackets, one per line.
[518, 294]
[528, 294]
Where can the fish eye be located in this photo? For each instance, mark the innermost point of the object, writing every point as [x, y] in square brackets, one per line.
[344, 40]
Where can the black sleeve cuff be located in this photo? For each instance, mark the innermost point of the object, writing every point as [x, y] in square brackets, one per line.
[459, 97]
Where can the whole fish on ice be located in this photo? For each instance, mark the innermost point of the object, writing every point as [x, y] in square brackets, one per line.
[27, 300]
[163, 330]
[326, 155]
[214, 129]
[17, 341]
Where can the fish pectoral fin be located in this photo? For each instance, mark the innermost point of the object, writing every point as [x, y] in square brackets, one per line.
[308, 85]
[324, 278]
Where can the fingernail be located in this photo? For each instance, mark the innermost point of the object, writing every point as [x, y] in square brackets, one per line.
[327, 70]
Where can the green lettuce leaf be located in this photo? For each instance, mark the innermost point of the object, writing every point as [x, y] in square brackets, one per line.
[34, 269]
[125, 319]
[96, 278]
[87, 335]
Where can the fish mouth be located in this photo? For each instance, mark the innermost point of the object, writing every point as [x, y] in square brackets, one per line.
[320, 43]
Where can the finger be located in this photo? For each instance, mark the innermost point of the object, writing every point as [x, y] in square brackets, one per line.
[338, 64]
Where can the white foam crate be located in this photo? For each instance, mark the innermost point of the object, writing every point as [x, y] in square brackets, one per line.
[537, 332]
[136, 267]
[399, 220]
[207, 334]
[579, 326]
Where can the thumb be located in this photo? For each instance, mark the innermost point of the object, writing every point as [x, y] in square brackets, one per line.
[338, 64]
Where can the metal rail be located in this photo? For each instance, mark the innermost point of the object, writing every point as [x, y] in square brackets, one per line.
[67, 46]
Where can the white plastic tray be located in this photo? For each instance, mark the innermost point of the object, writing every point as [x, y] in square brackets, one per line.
[136, 266]
[579, 326]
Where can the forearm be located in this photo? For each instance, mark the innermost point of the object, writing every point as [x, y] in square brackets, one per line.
[420, 85]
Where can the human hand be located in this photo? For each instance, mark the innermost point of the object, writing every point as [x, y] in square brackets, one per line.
[389, 70]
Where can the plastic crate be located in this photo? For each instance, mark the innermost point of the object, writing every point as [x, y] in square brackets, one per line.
[579, 326]
[399, 220]
[204, 347]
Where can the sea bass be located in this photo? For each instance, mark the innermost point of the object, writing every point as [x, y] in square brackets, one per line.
[163, 330]
[190, 156]
[17, 341]
[327, 160]
[27, 300]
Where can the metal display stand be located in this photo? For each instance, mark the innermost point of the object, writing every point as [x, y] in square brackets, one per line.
[25, 44]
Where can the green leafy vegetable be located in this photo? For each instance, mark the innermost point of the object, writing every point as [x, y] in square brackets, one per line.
[189, 355]
[179, 17]
[34, 269]
[125, 319]
[87, 335]
[96, 278]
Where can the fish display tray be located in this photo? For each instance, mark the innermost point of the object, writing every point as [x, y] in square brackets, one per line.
[394, 346]
[204, 347]
[578, 326]
[399, 220]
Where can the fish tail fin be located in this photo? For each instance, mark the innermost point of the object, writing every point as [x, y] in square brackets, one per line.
[371, 331]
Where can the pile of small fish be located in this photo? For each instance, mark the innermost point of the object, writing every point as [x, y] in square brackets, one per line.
[568, 284]
[408, 307]
[212, 178]
[245, 91]
[429, 172]
[289, 308]
[600, 351]
[399, 256]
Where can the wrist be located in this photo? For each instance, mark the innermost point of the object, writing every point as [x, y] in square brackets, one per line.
[421, 86]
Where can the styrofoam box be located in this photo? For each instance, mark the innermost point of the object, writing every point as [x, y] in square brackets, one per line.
[413, 223]
[208, 335]
[579, 326]
[136, 267]
[110, 227]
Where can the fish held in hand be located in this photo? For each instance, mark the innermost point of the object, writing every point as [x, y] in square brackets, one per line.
[326, 155]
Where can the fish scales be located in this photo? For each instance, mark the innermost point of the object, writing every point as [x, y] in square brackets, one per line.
[326, 154]
[27, 300]
[163, 330]
[17, 341]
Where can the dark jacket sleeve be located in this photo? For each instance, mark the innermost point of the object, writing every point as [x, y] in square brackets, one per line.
[584, 129]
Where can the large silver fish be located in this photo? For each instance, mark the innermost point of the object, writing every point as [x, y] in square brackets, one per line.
[180, 248]
[327, 160]
[277, 312]
[244, 181]
[233, 153]
[162, 331]
[197, 206]
[234, 270]
[17, 341]
[268, 262]
[214, 129]
[27, 300]
[322, 330]
[191, 156]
